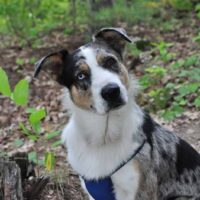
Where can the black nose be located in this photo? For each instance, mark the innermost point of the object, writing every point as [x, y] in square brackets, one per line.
[110, 92]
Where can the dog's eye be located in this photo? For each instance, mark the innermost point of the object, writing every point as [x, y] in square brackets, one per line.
[111, 63]
[81, 76]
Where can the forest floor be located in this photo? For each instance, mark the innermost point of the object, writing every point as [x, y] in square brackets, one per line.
[46, 93]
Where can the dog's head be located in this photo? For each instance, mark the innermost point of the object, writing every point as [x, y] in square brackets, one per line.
[94, 73]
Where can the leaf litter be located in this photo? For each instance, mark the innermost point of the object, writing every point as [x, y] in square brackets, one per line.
[18, 63]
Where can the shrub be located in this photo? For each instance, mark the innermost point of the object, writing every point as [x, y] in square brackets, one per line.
[20, 96]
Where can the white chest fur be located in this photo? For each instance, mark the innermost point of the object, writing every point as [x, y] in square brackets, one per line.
[94, 153]
[126, 181]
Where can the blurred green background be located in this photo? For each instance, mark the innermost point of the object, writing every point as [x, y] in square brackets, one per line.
[29, 19]
[168, 32]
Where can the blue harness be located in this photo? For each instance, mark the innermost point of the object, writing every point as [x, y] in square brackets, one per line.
[102, 189]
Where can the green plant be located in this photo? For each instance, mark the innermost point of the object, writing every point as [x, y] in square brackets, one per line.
[171, 96]
[29, 20]
[20, 61]
[20, 93]
[26, 19]
[162, 48]
[133, 50]
[33, 129]
[179, 4]
[35, 116]
[135, 11]
[197, 37]
[197, 9]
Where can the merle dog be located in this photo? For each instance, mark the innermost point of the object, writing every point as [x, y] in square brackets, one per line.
[118, 150]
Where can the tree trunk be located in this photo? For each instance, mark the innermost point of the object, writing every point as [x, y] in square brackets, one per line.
[10, 180]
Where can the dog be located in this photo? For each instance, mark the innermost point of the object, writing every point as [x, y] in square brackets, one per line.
[118, 150]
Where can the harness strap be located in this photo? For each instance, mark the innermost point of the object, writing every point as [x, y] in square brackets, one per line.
[102, 189]
[130, 158]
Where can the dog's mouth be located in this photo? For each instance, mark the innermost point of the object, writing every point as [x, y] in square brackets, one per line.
[115, 105]
[111, 106]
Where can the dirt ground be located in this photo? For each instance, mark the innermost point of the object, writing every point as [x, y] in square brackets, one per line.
[45, 93]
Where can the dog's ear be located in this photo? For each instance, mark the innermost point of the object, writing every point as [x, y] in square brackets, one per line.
[54, 64]
[116, 38]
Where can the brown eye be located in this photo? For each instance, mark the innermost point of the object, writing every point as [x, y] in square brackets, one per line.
[110, 62]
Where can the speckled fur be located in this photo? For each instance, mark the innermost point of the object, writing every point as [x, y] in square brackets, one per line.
[160, 179]
[99, 139]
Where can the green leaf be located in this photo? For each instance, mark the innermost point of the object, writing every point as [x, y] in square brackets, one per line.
[156, 70]
[27, 132]
[145, 81]
[4, 84]
[196, 38]
[56, 143]
[197, 102]
[180, 100]
[172, 112]
[191, 61]
[21, 92]
[40, 162]
[168, 115]
[31, 110]
[52, 134]
[32, 60]
[33, 137]
[170, 85]
[36, 127]
[32, 156]
[177, 64]
[197, 7]
[177, 109]
[18, 142]
[20, 61]
[194, 74]
[184, 73]
[188, 89]
[24, 129]
[37, 116]
[49, 161]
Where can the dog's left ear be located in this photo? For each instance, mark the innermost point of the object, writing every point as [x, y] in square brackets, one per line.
[116, 38]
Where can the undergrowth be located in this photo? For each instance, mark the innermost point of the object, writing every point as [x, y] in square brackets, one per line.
[170, 84]
[29, 20]
[33, 128]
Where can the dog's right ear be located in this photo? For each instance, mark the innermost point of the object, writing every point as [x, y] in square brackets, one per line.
[54, 64]
[116, 38]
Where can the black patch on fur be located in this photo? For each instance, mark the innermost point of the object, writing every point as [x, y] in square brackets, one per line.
[194, 178]
[111, 64]
[186, 179]
[68, 77]
[177, 197]
[148, 128]
[164, 155]
[187, 157]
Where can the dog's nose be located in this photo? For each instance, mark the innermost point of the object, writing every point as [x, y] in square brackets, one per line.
[110, 92]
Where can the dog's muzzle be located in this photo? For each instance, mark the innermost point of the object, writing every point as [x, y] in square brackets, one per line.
[111, 94]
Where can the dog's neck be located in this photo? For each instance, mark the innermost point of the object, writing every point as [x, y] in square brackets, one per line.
[98, 130]
[94, 139]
